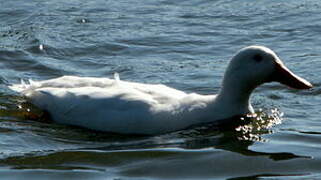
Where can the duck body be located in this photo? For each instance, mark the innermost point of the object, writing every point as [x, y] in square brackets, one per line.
[113, 105]
[118, 106]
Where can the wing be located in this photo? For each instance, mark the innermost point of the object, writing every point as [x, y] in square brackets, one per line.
[116, 109]
[157, 90]
[105, 104]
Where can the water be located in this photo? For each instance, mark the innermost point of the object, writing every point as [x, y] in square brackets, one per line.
[183, 44]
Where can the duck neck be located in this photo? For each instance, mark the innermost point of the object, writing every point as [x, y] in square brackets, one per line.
[236, 96]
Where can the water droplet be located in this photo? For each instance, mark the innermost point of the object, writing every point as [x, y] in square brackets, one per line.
[83, 21]
[41, 47]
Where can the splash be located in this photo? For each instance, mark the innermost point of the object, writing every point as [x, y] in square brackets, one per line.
[259, 123]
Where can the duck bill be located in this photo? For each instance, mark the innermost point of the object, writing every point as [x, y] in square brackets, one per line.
[287, 77]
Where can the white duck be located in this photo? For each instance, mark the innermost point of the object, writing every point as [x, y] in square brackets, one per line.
[133, 108]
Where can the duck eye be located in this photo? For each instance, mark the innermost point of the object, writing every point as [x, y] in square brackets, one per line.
[257, 57]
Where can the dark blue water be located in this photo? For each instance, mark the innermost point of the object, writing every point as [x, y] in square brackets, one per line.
[183, 44]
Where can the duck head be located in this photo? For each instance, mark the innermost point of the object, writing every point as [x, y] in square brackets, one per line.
[255, 65]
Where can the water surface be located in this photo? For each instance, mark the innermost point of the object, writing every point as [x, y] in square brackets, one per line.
[185, 45]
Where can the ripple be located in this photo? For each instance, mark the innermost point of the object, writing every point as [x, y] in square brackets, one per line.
[17, 38]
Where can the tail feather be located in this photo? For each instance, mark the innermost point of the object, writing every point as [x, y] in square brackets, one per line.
[23, 86]
[23, 83]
